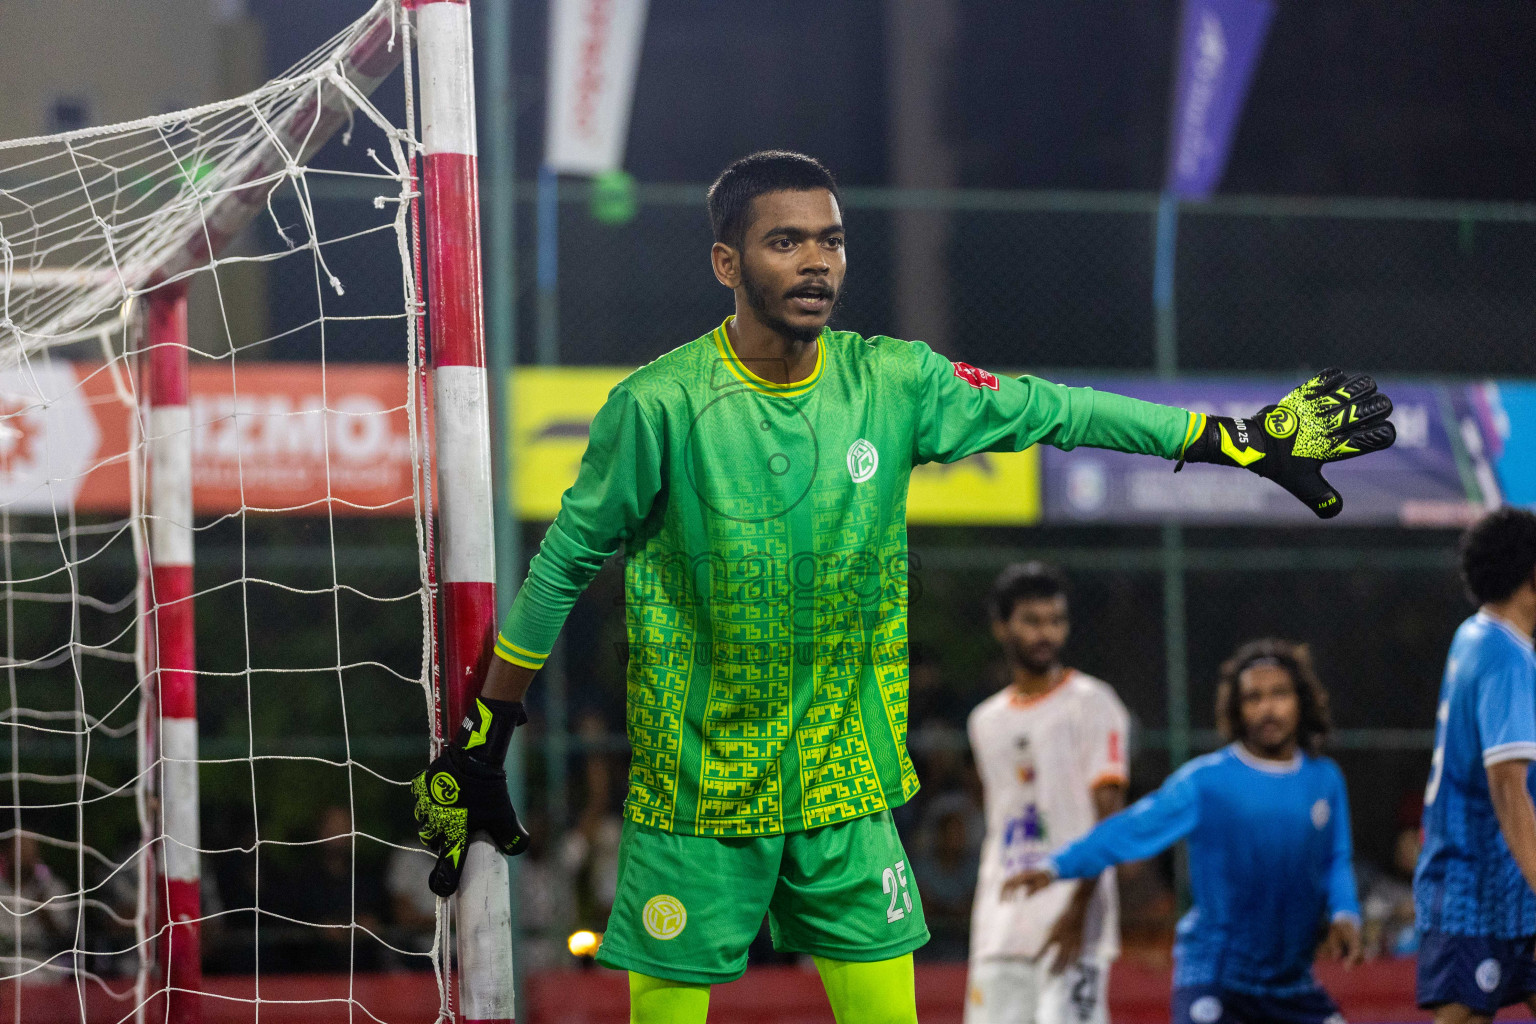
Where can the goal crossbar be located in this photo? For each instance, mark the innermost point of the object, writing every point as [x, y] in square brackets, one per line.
[298, 114]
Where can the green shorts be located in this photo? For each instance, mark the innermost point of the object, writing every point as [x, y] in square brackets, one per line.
[687, 907]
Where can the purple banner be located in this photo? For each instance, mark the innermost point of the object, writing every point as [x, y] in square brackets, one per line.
[1219, 46]
[1425, 479]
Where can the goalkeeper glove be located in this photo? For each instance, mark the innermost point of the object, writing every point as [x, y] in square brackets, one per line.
[464, 791]
[1330, 418]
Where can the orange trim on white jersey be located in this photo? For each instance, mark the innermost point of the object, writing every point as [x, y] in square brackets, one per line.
[1018, 700]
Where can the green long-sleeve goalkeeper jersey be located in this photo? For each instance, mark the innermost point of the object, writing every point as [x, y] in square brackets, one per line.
[764, 528]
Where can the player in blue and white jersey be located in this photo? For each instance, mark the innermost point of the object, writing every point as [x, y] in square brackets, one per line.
[1267, 821]
[1473, 890]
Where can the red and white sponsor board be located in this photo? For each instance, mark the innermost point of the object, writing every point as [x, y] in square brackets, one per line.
[289, 437]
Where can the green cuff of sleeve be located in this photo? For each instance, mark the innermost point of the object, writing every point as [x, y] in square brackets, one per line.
[509, 651]
[1192, 430]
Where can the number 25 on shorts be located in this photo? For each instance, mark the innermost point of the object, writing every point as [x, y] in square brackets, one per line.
[894, 882]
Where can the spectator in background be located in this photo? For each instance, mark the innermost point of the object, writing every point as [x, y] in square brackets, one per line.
[1149, 913]
[327, 892]
[946, 853]
[547, 904]
[37, 917]
[589, 853]
[1386, 899]
[412, 907]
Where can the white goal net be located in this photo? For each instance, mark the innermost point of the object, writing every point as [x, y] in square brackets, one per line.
[215, 564]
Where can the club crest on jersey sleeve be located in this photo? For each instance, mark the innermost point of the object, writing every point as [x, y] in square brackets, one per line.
[975, 376]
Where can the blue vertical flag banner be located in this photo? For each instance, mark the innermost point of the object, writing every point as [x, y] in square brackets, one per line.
[1219, 46]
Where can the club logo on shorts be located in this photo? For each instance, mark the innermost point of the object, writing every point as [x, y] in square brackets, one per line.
[863, 460]
[1321, 812]
[1205, 1010]
[1488, 975]
[664, 917]
[445, 788]
[1280, 422]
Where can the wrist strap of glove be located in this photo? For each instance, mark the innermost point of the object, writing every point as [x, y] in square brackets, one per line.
[1224, 441]
[487, 729]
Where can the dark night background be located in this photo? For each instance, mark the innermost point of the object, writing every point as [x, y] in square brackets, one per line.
[1428, 99]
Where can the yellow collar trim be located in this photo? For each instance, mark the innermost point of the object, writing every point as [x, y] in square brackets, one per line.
[740, 372]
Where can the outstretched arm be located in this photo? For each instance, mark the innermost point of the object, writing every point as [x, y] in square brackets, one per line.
[964, 410]
[1148, 827]
[1330, 418]
[1070, 930]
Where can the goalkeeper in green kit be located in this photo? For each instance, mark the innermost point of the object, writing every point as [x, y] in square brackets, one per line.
[756, 479]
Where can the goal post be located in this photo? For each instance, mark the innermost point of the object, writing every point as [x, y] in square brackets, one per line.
[103, 233]
[462, 430]
[172, 689]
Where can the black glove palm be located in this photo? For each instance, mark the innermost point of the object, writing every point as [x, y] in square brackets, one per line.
[1330, 418]
[464, 791]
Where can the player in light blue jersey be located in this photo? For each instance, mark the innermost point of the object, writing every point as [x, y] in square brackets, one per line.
[1267, 821]
[1473, 890]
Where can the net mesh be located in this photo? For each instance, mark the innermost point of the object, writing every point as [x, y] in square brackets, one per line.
[312, 596]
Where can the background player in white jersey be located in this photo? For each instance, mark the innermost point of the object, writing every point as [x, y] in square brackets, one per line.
[1050, 750]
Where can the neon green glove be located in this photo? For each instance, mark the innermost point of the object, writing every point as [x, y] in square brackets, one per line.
[464, 791]
[1330, 418]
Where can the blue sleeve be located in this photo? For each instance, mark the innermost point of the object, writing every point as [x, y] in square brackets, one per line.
[1506, 710]
[1146, 828]
[1342, 897]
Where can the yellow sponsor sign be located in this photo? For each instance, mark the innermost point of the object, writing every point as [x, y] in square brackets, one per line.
[552, 410]
[552, 415]
[999, 488]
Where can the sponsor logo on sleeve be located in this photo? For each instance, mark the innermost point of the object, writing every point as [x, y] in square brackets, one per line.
[975, 376]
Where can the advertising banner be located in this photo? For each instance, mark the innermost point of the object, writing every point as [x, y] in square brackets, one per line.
[1496, 424]
[594, 52]
[291, 437]
[553, 410]
[296, 438]
[1423, 480]
[1219, 46]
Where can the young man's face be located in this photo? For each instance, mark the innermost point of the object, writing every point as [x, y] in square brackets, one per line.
[1269, 706]
[793, 262]
[1035, 632]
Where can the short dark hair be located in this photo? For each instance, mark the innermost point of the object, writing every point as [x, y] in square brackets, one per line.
[1498, 554]
[771, 170]
[1024, 581]
[1315, 722]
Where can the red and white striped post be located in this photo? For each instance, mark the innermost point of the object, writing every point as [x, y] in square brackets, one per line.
[169, 437]
[462, 428]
